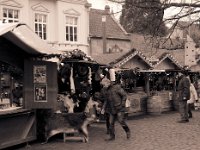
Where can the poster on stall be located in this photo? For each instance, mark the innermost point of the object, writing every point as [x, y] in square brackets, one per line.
[40, 93]
[40, 84]
[39, 74]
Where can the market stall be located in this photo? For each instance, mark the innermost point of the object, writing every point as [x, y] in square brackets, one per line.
[23, 73]
[78, 81]
[36, 97]
[150, 83]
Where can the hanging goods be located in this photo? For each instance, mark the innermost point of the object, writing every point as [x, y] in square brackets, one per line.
[72, 86]
[112, 74]
[90, 76]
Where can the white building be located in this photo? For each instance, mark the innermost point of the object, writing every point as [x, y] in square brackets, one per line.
[63, 24]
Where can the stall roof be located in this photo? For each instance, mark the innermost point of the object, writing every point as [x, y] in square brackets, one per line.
[21, 35]
[18, 42]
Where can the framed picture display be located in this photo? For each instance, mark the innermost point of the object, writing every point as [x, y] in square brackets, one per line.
[40, 93]
[40, 84]
[39, 74]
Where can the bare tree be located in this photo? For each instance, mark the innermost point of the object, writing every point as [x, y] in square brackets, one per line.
[185, 9]
[174, 12]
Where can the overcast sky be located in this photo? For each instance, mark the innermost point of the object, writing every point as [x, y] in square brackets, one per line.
[100, 4]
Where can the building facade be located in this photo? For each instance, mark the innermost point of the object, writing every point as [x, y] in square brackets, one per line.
[106, 34]
[63, 24]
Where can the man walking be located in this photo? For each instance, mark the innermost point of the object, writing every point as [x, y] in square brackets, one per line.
[115, 104]
[184, 95]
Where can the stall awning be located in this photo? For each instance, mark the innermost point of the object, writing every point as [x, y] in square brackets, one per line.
[26, 39]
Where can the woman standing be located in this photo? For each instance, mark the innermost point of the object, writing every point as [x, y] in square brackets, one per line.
[192, 100]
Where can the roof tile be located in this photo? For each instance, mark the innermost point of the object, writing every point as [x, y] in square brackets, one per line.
[113, 28]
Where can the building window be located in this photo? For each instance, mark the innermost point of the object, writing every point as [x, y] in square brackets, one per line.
[10, 15]
[71, 29]
[41, 25]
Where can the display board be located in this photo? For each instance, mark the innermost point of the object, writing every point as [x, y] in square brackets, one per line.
[40, 84]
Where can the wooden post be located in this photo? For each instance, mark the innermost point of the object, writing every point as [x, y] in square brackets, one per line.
[174, 89]
[173, 103]
[147, 85]
[11, 90]
[104, 33]
[1, 92]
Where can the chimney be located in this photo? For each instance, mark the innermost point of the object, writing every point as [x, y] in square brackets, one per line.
[107, 9]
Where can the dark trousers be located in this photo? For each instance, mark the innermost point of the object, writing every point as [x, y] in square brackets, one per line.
[183, 110]
[190, 107]
[107, 118]
[120, 117]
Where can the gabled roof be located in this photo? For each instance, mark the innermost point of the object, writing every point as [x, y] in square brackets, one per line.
[128, 56]
[119, 59]
[146, 48]
[113, 28]
[170, 57]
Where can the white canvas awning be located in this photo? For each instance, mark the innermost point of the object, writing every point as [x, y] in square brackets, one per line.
[18, 42]
[22, 36]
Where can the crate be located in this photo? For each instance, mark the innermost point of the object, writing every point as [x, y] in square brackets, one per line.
[73, 136]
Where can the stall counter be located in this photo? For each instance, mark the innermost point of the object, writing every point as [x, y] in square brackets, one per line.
[16, 127]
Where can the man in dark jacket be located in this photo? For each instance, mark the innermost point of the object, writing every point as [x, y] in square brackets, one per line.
[115, 106]
[184, 95]
[105, 109]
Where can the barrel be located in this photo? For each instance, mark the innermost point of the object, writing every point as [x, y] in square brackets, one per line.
[166, 100]
[154, 104]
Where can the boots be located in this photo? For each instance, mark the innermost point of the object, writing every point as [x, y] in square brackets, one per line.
[127, 130]
[128, 135]
[112, 135]
[112, 138]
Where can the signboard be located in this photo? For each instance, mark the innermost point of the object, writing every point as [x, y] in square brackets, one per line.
[40, 93]
[39, 74]
[40, 84]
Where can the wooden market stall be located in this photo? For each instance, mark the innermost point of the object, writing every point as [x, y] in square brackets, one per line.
[150, 83]
[21, 50]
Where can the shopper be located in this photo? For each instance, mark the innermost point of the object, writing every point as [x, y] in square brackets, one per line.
[192, 100]
[115, 104]
[184, 95]
[105, 108]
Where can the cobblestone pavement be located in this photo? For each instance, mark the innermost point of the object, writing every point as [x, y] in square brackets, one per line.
[160, 132]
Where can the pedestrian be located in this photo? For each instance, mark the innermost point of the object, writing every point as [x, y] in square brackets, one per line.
[115, 104]
[103, 97]
[192, 100]
[184, 95]
[197, 103]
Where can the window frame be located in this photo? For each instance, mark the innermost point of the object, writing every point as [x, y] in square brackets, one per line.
[12, 19]
[44, 34]
[71, 26]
